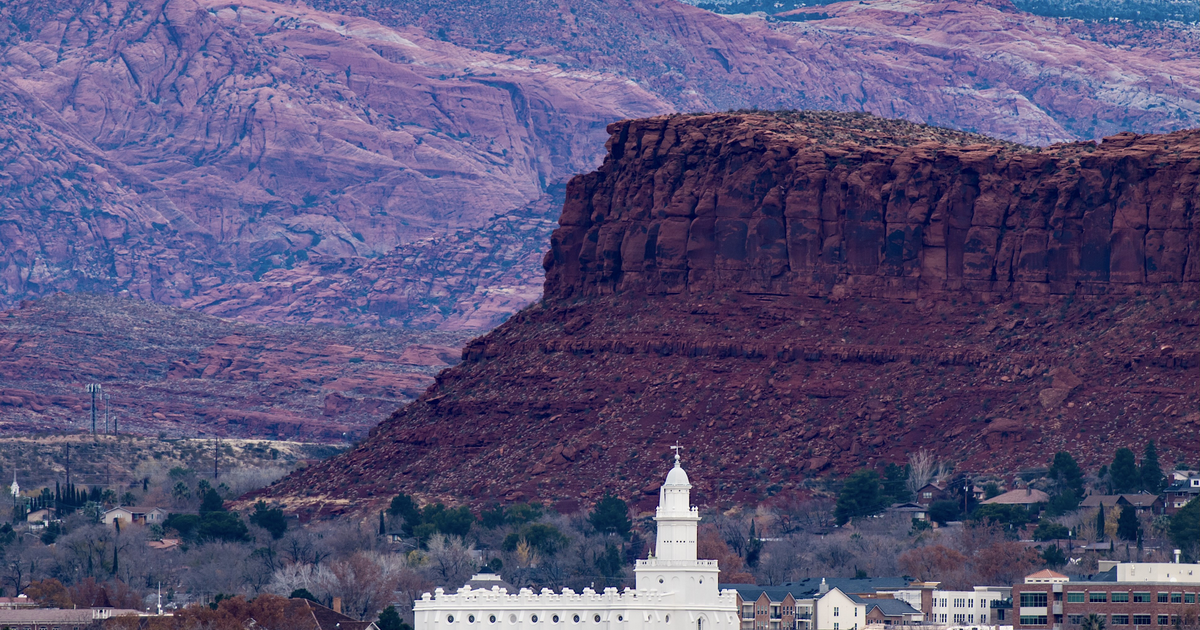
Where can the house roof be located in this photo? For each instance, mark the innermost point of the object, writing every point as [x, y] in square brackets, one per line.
[486, 581]
[811, 586]
[166, 543]
[134, 509]
[82, 616]
[1183, 487]
[908, 507]
[1045, 574]
[891, 607]
[1110, 500]
[1020, 496]
[327, 619]
[751, 592]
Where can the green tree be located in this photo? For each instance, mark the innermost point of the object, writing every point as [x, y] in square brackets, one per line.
[861, 495]
[610, 564]
[991, 490]
[452, 522]
[1010, 516]
[222, 526]
[895, 484]
[1067, 473]
[382, 525]
[389, 619]
[270, 519]
[1049, 530]
[1124, 472]
[1128, 527]
[611, 515]
[406, 508]
[1153, 480]
[944, 511]
[211, 503]
[521, 513]
[492, 518]
[1054, 557]
[1185, 529]
[543, 537]
[302, 593]
[1093, 621]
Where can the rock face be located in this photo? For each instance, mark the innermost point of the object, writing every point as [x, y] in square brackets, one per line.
[183, 374]
[276, 162]
[799, 295]
[168, 147]
[816, 204]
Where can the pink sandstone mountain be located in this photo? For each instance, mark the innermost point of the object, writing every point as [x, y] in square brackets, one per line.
[347, 163]
[797, 295]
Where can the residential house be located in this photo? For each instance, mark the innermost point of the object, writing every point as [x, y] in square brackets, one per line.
[131, 514]
[892, 612]
[1124, 594]
[1141, 502]
[836, 610]
[1180, 493]
[930, 493]
[1020, 496]
[39, 518]
[769, 608]
[915, 511]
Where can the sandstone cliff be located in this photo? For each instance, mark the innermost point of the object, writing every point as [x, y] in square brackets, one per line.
[814, 204]
[798, 295]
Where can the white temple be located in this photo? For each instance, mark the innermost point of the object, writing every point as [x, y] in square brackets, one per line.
[674, 590]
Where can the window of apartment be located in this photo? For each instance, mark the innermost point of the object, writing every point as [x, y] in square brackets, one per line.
[1075, 620]
[960, 618]
[835, 625]
[748, 611]
[1074, 597]
[1120, 620]
[1118, 597]
[1141, 620]
[1162, 598]
[835, 612]
[970, 618]
[1097, 598]
[1033, 600]
[775, 614]
[1163, 620]
[1033, 620]
[1189, 598]
[1176, 598]
[999, 614]
[1141, 598]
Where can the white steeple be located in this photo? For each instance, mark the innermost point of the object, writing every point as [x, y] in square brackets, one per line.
[676, 518]
[15, 489]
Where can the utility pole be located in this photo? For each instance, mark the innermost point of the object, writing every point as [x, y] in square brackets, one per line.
[216, 457]
[106, 397]
[94, 388]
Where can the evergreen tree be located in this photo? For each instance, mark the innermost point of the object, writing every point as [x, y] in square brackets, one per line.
[389, 619]
[382, 528]
[1151, 471]
[116, 562]
[895, 483]
[212, 503]
[860, 496]
[1067, 473]
[270, 519]
[1185, 528]
[1128, 527]
[1124, 472]
[611, 515]
[1100, 524]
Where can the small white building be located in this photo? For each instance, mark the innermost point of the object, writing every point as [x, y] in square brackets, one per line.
[135, 515]
[673, 589]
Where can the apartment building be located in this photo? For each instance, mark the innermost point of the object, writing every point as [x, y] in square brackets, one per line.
[1128, 595]
[958, 608]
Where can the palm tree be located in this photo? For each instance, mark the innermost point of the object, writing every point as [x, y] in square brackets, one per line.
[1093, 622]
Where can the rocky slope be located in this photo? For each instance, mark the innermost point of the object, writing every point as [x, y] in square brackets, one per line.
[178, 373]
[797, 295]
[278, 162]
[167, 147]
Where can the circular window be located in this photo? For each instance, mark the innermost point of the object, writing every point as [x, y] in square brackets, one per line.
[620, 617]
[449, 618]
[575, 618]
[701, 580]
[555, 618]
[668, 618]
[596, 618]
[513, 619]
[492, 619]
[660, 580]
[471, 619]
[533, 619]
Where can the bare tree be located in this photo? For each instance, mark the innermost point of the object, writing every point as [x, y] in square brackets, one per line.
[920, 470]
[449, 560]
